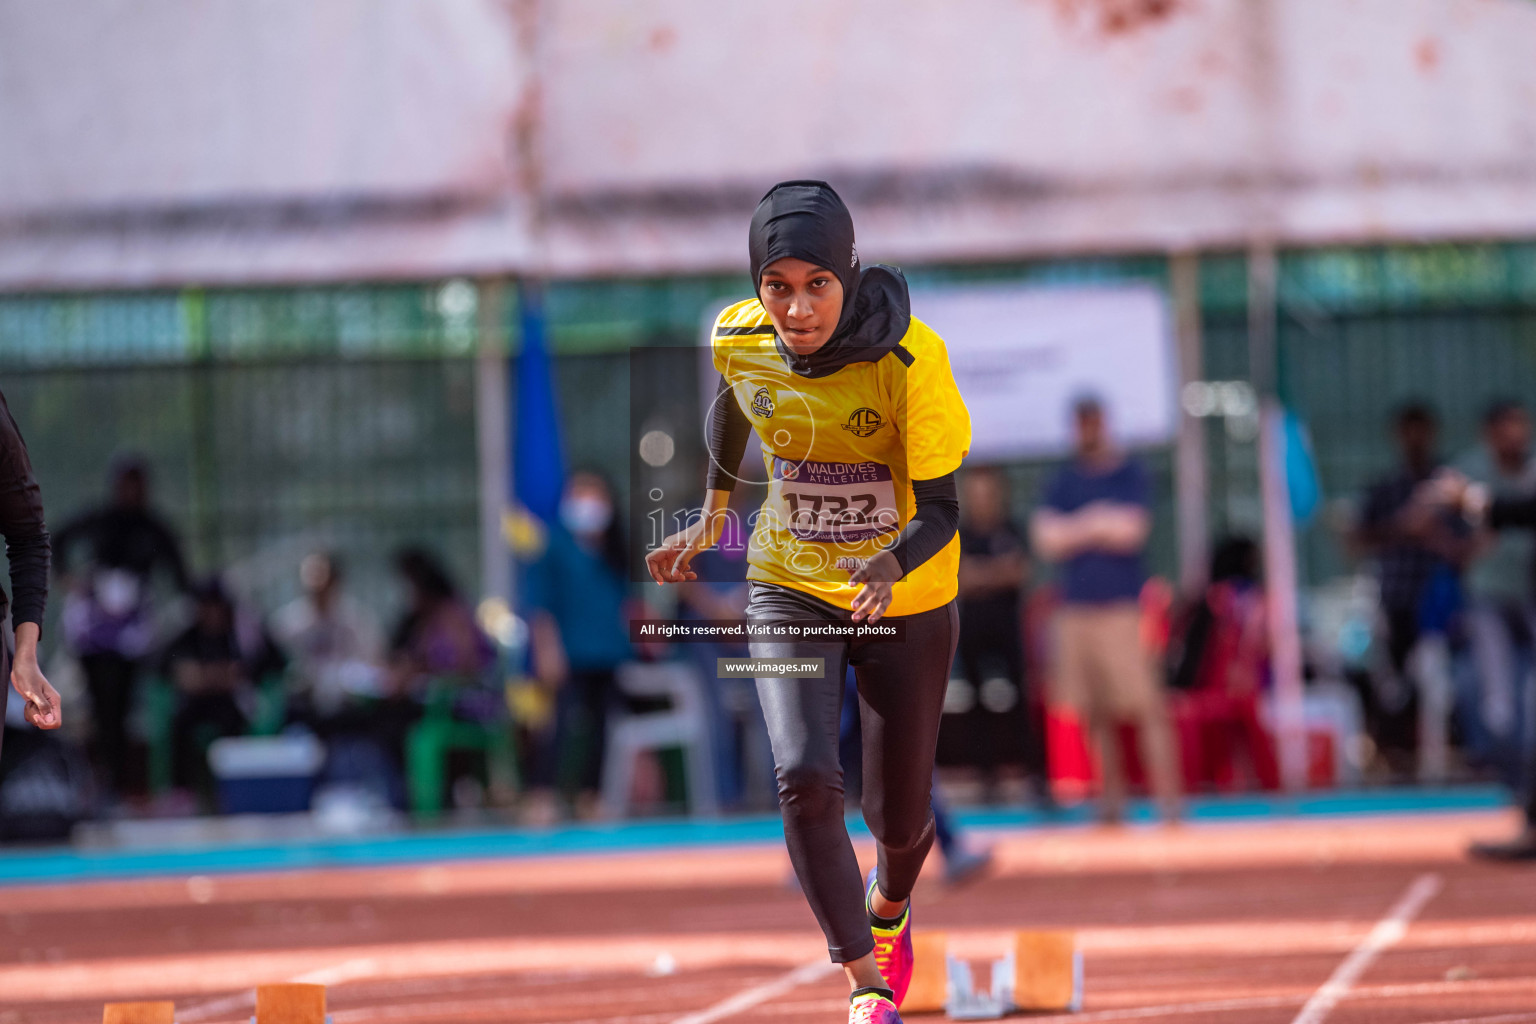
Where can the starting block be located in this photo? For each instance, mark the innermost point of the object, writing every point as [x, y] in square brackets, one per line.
[290, 1004]
[1041, 971]
[139, 1013]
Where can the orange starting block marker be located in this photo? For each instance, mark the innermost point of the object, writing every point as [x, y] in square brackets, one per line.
[139, 1013]
[1041, 971]
[290, 1004]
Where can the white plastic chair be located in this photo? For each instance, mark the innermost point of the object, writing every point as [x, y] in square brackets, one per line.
[683, 723]
[1332, 707]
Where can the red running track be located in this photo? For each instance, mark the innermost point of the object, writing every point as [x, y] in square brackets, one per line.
[1352, 921]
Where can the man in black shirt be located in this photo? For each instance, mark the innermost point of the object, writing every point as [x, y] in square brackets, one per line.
[107, 620]
[221, 656]
[994, 566]
[27, 548]
[1413, 545]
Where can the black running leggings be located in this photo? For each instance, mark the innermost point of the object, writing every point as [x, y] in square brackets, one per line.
[901, 698]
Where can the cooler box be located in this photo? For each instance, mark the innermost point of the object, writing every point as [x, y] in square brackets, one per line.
[265, 774]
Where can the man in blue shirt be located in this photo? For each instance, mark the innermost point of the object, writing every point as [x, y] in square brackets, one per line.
[1094, 524]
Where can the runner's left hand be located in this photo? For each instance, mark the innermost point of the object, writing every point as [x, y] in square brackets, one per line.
[874, 597]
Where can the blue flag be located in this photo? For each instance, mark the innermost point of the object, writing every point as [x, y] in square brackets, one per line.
[538, 456]
[1301, 478]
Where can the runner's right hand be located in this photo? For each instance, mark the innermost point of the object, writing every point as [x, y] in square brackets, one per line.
[669, 563]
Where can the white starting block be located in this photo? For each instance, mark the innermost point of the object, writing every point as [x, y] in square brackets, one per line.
[1041, 971]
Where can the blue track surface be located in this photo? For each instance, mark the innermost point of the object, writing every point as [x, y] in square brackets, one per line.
[67, 865]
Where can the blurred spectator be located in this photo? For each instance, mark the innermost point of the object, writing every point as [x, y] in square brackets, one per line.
[41, 795]
[366, 711]
[994, 566]
[1222, 669]
[215, 665]
[1498, 586]
[437, 637]
[1452, 490]
[575, 596]
[1419, 552]
[335, 645]
[1094, 523]
[108, 616]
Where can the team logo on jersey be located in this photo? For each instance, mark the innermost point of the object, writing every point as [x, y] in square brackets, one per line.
[863, 422]
[762, 403]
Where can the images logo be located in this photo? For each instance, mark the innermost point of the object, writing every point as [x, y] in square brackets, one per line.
[762, 403]
[863, 422]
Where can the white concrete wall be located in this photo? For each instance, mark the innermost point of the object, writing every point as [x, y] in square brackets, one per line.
[172, 140]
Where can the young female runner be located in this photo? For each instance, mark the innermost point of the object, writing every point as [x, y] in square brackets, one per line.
[862, 429]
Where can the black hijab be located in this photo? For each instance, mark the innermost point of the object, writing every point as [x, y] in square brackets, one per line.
[807, 220]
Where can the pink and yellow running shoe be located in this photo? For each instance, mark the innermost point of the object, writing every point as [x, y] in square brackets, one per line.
[893, 946]
[872, 1008]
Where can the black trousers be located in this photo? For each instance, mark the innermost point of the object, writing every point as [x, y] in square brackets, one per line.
[987, 645]
[111, 679]
[901, 699]
[201, 719]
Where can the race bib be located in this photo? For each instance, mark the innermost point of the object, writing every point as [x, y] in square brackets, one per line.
[832, 502]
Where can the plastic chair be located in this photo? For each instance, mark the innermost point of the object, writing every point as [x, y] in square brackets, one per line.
[683, 724]
[159, 709]
[437, 734]
[271, 705]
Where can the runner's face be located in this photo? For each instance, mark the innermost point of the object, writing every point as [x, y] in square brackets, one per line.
[804, 302]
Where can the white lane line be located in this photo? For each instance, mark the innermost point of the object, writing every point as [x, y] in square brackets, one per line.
[1388, 932]
[1275, 1002]
[749, 998]
[348, 970]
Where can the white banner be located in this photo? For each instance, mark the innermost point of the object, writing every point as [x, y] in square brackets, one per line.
[1022, 355]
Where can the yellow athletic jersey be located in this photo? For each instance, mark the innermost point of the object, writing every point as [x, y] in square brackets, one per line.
[841, 452]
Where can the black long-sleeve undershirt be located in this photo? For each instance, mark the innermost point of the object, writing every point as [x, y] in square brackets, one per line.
[21, 522]
[728, 435]
[935, 517]
[934, 523]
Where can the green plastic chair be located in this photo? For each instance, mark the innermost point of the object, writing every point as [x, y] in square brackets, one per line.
[159, 698]
[437, 734]
[271, 705]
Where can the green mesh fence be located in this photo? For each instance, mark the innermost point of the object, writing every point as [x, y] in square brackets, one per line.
[274, 422]
[282, 419]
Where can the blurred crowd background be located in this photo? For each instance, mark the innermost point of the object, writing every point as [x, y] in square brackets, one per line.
[342, 338]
